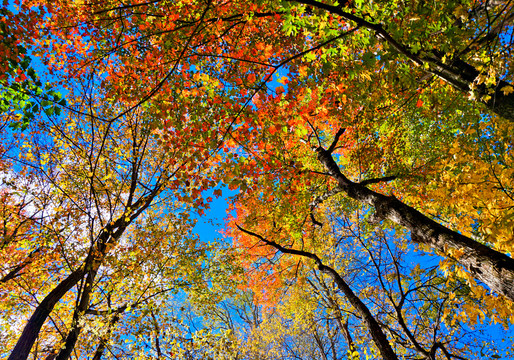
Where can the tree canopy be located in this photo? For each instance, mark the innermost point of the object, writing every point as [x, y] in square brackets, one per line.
[365, 150]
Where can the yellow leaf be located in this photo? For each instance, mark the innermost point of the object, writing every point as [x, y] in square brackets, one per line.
[458, 253]
[460, 12]
[507, 89]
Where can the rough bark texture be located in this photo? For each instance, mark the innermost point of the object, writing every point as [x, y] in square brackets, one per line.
[30, 332]
[458, 73]
[493, 268]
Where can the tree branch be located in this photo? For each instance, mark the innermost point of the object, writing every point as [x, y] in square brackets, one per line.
[378, 336]
[378, 180]
[457, 72]
[493, 268]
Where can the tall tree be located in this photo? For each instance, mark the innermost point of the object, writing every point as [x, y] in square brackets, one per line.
[371, 282]
[253, 94]
[89, 188]
[196, 63]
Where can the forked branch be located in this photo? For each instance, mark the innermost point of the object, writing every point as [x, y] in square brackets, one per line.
[492, 267]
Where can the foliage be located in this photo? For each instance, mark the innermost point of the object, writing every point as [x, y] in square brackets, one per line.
[23, 94]
[84, 192]
[354, 132]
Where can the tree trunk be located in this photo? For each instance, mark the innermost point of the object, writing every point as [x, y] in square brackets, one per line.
[74, 332]
[30, 332]
[378, 336]
[460, 74]
[105, 338]
[90, 267]
[493, 268]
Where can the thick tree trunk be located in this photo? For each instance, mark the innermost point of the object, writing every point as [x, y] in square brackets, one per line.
[30, 332]
[493, 268]
[500, 103]
[462, 76]
[459, 74]
[90, 267]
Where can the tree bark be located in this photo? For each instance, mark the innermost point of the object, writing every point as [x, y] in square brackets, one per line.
[16, 270]
[459, 74]
[501, 104]
[105, 338]
[75, 330]
[30, 332]
[463, 75]
[378, 336]
[493, 268]
[91, 263]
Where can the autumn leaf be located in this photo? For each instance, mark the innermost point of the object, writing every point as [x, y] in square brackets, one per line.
[251, 78]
